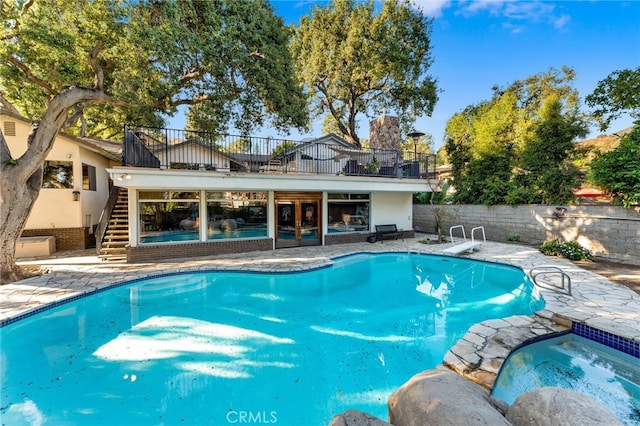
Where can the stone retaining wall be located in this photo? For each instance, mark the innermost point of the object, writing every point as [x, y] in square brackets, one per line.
[608, 231]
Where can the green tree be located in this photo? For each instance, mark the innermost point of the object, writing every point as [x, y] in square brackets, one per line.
[485, 175]
[618, 171]
[239, 145]
[283, 147]
[442, 158]
[546, 173]
[71, 64]
[484, 142]
[459, 136]
[619, 92]
[354, 61]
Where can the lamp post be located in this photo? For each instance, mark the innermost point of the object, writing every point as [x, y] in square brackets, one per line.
[415, 136]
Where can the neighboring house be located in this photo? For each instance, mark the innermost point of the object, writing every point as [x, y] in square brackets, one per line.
[191, 194]
[75, 188]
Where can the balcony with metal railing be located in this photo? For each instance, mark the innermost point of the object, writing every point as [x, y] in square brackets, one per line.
[197, 150]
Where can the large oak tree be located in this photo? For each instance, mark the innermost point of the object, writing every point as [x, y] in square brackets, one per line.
[356, 60]
[83, 65]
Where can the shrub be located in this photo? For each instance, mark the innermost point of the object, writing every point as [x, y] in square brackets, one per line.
[572, 250]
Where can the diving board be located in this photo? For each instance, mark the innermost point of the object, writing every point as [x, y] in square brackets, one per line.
[466, 246]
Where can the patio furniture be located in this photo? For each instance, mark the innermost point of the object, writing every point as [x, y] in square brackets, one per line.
[390, 230]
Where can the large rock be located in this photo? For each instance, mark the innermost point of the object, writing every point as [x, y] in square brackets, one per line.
[356, 418]
[558, 407]
[442, 397]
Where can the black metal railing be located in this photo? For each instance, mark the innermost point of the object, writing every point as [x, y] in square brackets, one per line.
[197, 150]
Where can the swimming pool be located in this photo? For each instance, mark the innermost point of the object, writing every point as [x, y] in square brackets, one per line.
[608, 376]
[222, 347]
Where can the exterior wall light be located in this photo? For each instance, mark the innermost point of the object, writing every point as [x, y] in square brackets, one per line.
[76, 195]
[125, 176]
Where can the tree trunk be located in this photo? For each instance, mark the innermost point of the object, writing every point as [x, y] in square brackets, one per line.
[21, 178]
[16, 201]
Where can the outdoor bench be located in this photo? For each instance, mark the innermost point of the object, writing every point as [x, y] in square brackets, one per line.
[388, 231]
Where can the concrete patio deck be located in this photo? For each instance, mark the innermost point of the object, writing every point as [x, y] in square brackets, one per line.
[595, 301]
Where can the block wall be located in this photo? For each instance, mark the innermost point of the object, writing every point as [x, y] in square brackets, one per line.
[608, 231]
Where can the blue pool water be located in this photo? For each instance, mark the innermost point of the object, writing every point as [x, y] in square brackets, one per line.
[608, 376]
[222, 347]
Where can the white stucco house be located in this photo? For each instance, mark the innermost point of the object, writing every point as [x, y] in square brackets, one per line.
[75, 187]
[193, 194]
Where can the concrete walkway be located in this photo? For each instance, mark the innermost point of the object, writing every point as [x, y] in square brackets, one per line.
[595, 301]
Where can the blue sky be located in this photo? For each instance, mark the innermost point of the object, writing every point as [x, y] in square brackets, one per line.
[481, 43]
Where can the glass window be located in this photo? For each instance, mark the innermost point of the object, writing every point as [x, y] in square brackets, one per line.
[236, 214]
[167, 216]
[348, 212]
[88, 177]
[58, 174]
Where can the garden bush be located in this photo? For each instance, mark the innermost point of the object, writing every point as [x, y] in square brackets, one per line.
[572, 250]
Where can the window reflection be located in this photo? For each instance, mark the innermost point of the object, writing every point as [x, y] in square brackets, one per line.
[169, 216]
[236, 214]
[348, 212]
[57, 174]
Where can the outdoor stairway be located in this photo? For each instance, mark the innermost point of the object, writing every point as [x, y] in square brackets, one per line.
[116, 237]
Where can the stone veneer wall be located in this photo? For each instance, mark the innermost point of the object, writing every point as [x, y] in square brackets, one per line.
[608, 231]
[66, 238]
[384, 133]
[173, 251]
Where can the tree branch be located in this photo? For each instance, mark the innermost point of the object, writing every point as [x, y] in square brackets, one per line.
[5, 154]
[186, 101]
[4, 103]
[53, 120]
[187, 77]
[93, 61]
[29, 75]
[328, 102]
[26, 6]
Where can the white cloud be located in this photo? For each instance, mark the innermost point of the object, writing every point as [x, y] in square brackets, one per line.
[476, 6]
[516, 13]
[560, 21]
[432, 8]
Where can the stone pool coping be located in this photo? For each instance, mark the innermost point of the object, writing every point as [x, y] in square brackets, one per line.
[595, 300]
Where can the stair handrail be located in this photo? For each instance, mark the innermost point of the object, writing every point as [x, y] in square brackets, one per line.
[101, 229]
[551, 269]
